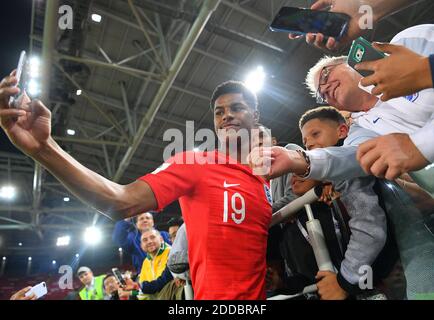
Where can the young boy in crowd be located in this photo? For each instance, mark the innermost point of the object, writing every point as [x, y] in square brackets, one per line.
[354, 224]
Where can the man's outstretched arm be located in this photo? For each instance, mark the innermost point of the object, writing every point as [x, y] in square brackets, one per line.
[29, 129]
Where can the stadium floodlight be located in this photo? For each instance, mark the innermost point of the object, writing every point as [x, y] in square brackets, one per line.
[34, 67]
[96, 17]
[66, 199]
[63, 241]
[20, 244]
[53, 262]
[120, 249]
[77, 255]
[4, 258]
[7, 192]
[29, 258]
[33, 87]
[92, 235]
[255, 79]
[429, 166]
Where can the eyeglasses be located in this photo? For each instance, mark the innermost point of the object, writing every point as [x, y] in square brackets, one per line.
[323, 78]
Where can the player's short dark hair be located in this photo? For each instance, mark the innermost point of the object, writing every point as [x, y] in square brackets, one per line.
[232, 86]
[322, 113]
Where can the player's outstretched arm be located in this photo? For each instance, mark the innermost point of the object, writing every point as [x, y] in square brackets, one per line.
[29, 128]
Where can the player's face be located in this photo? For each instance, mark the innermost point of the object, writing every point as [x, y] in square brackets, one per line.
[151, 242]
[300, 186]
[319, 133]
[232, 113]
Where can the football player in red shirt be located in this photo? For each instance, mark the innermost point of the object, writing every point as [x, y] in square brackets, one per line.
[226, 208]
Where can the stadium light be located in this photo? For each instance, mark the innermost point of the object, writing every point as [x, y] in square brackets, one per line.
[33, 87]
[77, 255]
[30, 259]
[70, 132]
[66, 199]
[20, 244]
[34, 67]
[92, 235]
[255, 79]
[78, 92]
[63, 241]
[53, 262]
[7, 192]
[4, 258]
[429, 166]
[120, 249]
[96, 17]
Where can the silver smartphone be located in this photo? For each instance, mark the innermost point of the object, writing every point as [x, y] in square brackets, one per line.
[119, 277]
[22, 62]
[39, 290]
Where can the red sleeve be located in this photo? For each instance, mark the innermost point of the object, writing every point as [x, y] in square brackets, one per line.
[172, 180]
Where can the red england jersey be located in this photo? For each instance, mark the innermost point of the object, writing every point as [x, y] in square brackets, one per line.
[227, 211]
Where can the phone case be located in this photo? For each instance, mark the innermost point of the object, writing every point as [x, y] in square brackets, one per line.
[362, 50]
[18, 75]
[118, 276]
[308, 17]
[39, 290]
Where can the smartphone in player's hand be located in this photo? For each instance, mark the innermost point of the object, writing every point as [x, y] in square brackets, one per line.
[119, 277]
[14, 101]
[301, 21]
[361, 50]
[39, 290]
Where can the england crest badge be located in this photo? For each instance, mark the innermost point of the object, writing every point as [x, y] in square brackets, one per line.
[268, 194]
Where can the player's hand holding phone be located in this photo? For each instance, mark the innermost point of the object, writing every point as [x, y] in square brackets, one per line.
[27, 123]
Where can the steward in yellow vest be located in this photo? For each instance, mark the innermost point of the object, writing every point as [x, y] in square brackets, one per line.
[93, 286]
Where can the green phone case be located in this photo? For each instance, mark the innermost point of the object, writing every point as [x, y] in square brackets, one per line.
[362, 50]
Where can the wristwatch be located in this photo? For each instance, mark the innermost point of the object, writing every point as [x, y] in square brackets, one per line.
[307, 159]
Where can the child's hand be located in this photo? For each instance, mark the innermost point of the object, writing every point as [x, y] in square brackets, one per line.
[328, 194]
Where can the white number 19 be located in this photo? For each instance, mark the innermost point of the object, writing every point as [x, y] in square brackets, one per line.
[239, 214]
